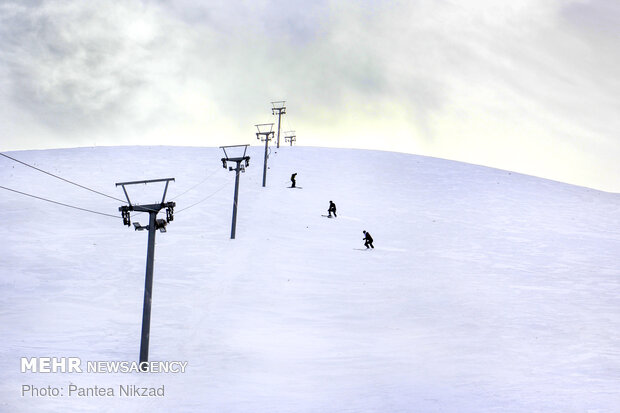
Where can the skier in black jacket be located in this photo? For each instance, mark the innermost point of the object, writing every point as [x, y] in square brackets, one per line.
[332, 208]
[367, 240]
[293, 180]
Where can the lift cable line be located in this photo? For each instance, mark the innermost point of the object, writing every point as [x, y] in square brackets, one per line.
[195, 186]
[288, 124]
[279, 109]
[154, 225]
[61, 178]
[265, 133]
[241, 162]
[203, 199]
[60, 203]
[290, 129]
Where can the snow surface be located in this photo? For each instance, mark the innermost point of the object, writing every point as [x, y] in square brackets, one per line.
[488, 291]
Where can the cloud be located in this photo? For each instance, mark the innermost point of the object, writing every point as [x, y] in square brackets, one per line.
[75, 66]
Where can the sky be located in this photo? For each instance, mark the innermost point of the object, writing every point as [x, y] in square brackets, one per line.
[529, 85]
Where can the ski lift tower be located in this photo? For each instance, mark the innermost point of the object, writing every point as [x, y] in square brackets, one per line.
[265, 133]
[279, 109]
[289, 136]
[242, 161]
[154, 224]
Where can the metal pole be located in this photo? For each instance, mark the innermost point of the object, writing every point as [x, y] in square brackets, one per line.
[234, 217]
[148, 290]
[278, 141]
[265, 163]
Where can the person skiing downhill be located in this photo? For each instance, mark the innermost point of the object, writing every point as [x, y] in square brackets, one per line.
[367, 240]
[293, 180]
[332, 208]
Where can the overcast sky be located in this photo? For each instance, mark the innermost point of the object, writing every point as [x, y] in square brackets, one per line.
[527, 85]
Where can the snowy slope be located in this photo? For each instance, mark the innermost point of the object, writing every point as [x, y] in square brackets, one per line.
[488, 291]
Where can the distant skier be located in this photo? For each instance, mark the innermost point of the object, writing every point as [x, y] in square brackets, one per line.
[293, 180]
[332, 208]
[367, 240]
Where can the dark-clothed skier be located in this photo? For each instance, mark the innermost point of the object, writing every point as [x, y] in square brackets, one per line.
[332, 208]
[367, 240]
[293, 180]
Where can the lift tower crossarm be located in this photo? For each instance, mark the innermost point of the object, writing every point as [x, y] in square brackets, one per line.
[149, 181]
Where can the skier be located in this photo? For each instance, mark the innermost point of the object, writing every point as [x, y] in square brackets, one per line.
[367, 240]
[293, 180]
[332, 208]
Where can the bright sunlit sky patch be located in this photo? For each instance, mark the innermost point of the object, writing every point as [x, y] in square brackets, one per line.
[526, 85]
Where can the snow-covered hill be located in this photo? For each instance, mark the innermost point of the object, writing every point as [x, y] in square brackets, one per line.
[488, 291]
